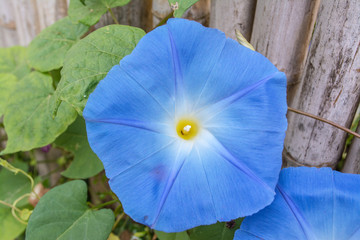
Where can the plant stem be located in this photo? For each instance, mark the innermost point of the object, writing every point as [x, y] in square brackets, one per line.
[106, 203]
[9, 205]
[118, 220]
[13, 208]
[15, 170]
[113, 16]
[325, 121]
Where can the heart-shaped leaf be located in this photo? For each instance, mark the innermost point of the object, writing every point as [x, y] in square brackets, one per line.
[10, 228]
[7, 82]
[85, 164]
[13, 60]
[28, 120]
[219, 231]
[47, 51]
[172, 236]
[91, 58]
[89, 12]
[63, 214]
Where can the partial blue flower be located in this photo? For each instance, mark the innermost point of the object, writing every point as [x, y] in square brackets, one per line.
[310, 204]
[190, 128]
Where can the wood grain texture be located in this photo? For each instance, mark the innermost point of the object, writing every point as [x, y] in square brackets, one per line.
[199, 12]
[330, 87]
[160, 9]
[8, 35]
[137, 13]
[352, 160]
[22, 20]
[281, 32]
[229, 15]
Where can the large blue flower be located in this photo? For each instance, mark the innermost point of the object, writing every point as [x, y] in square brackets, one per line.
[190, 128]
[310, 204]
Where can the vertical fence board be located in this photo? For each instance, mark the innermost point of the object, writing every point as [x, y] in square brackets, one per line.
[137, 14]
[26, 19]
[199, 12]
[8, 35]
[352, 163]
[281, 32]
[352, 160]
[230, 15]
[160, 9]
[22, 20]
[330, 87]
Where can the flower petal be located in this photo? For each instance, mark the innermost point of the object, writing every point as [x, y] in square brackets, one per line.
[238, 68]
[149, 67]
[310, 204]
[124, 123]
[232, 183]
[177, 174]
[262, 109]
[196, 50]
[189, 202]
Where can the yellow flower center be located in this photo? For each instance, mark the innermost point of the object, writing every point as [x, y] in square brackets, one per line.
[187, 129]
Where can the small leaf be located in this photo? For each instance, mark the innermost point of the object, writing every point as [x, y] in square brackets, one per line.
[13, 60]
[86, 164]
[219, 231]
[7, 82]
[172, 236]
[47, 51]
[180, 6]
[10, 228]
[13, 186]
[62, 213]
[25, 214]
[113, 237]
[89, 12]
[28, 120]
[242, 40]
[91, 58]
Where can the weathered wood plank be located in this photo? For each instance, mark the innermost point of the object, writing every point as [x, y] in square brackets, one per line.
[26, 19]
[160, 9]
[22, 20]
[352, 160]
[137, 14]
[8, 35]
[281, 32]
[230, 15]
[199, 12]
[330, 87]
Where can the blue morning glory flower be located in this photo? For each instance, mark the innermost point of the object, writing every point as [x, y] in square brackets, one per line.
[190, 128]
[310, 204]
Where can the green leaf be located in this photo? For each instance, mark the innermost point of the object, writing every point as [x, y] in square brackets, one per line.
[47, 50]
[13, 60]
[63, 214]
[14, 186]
[91, 58]
[172, 236]
[89, 12]
[218, 231]
[10, 228]
[28, 122]
[180, 6]
[8, 83]
[86, 164]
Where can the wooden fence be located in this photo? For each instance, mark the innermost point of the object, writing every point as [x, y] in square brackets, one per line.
[316, 43]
